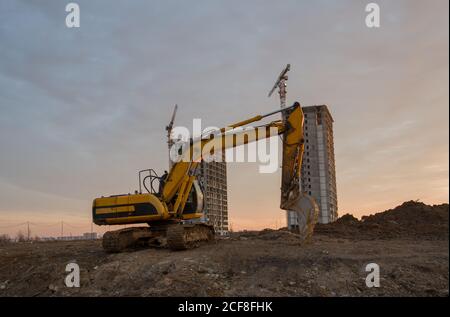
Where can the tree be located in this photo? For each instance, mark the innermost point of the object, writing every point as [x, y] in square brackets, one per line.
[20, 236]
[4, 239]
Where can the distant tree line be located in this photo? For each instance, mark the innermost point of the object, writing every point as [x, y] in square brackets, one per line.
[20, 237]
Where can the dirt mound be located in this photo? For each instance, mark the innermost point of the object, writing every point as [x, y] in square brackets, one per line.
[410, 220]
[409, 242]
[269, 235]
[347, 219]
[250, 267]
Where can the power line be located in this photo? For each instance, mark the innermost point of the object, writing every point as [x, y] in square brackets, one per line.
[75, 226]
[36, 224]
[13, 226]
[44, 224]
[28, 224]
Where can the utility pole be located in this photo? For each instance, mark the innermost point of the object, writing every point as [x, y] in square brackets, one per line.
[62, 229]
[28, 231]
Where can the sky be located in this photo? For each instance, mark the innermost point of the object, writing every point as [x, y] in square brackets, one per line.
[83, 109]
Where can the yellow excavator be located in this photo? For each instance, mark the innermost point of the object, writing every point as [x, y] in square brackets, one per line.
[171, 209]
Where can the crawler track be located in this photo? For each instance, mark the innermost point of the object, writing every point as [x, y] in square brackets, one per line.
[182, 237]
[178, 237]
[119, 240]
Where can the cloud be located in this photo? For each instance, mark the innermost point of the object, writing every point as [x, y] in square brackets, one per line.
[81, 110]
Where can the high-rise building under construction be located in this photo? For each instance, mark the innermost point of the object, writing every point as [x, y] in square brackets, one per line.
[213, 178]
[318, 168]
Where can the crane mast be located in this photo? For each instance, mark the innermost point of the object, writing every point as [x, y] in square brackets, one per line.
[169, 128]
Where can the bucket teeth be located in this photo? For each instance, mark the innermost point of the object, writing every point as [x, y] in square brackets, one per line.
[307, 213]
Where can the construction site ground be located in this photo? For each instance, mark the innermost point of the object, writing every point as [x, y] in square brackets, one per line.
[409, 243]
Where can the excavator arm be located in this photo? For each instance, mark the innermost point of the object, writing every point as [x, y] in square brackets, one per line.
[182, 174]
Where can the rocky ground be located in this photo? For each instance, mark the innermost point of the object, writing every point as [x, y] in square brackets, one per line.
[409, 243]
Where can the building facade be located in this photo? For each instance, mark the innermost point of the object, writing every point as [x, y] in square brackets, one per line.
[318, 178]
[213, 179]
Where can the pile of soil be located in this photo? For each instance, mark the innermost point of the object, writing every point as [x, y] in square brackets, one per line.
[410, 220]
[254, 266]
[409, 243]
[269, 234]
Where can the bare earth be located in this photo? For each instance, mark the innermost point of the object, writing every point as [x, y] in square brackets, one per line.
[265, 263]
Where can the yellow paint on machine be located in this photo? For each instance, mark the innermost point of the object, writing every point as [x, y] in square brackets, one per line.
[191, 216]
[132, 219]
[112, 201]
[106, 205]
[108, 210]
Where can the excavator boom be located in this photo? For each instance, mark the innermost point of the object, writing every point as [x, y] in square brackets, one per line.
[192, 152]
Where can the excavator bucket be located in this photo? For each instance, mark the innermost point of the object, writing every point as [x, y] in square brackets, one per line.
[307, 211]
